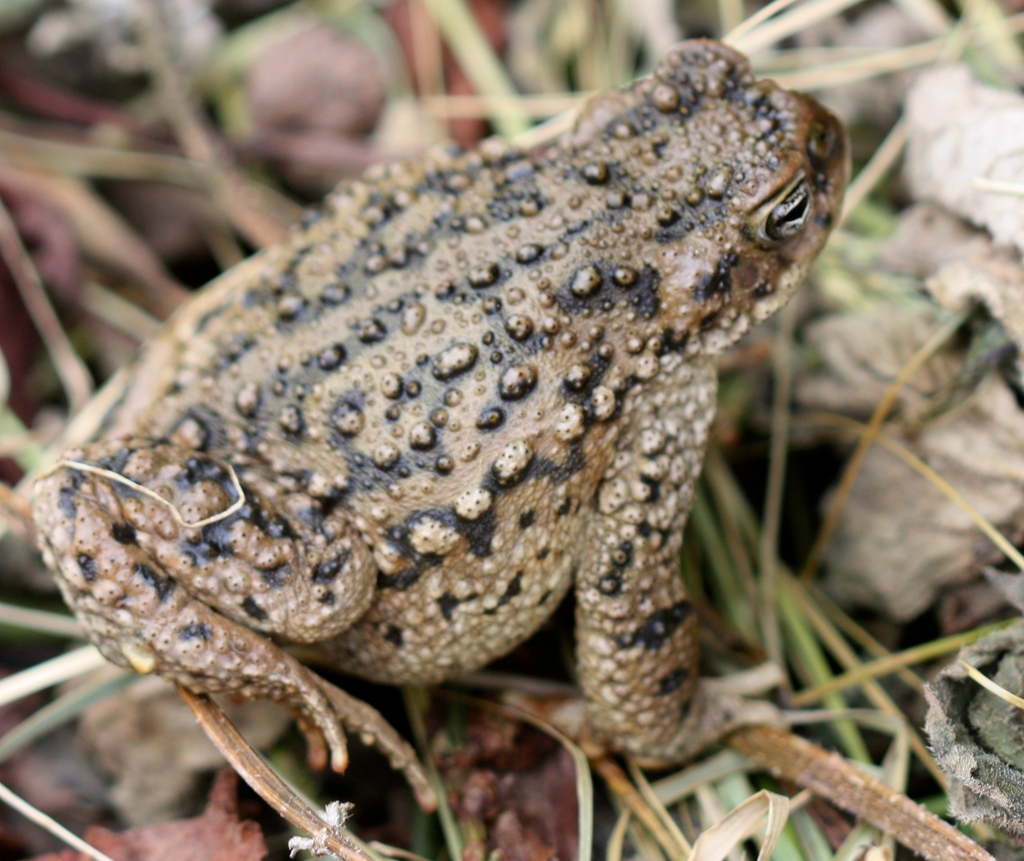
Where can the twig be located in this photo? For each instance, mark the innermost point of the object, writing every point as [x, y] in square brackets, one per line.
[618, 783]
[264, 780]
[837, 780]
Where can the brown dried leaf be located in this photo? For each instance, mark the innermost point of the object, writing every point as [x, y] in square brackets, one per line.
[216, 835]
[149, 741]
[519, 785]
[961, 130]
[318, 79]
[901, 540]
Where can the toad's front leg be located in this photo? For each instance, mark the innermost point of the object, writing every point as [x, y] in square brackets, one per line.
[185, 566]
[636, 632]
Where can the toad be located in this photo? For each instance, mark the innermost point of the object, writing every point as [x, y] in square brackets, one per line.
[462, 388]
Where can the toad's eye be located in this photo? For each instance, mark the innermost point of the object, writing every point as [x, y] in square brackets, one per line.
[790, 214]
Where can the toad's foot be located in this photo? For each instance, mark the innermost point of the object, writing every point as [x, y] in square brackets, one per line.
[375, 731]
[712, 715]
[715, 710]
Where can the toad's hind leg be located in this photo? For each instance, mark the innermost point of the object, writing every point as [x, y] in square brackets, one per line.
[154, 595]
[637, 655]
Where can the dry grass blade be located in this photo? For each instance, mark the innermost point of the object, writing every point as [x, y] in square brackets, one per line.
[839, 781]
[730, 15]
[827, 689]
[457, 107]
[265, 781]
[735, 36]
[992, 687]
[847, 658]
[15, 512]
[233, 192]
[39, 621]
[49, 673]
[789, 24]
[1004, 50]
[891, 663]
[620, 785]
[849, 66]
[617, 839]
[930, 15]
[655, 804]
[107, 238]
[394, 852]
[843, 623]
[676, 787]
[881, 162]
[118, 313]
[995, 186]
[51, 825]
[116, 477]
[743, 822]
[873, 64]
[70, 368]
[464, 36]
[58, 712]
[32, 152]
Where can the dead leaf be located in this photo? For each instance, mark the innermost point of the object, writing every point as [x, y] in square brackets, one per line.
[862, 354]
[216, 835]
[961, 131]
[517, 783]
[318, 79]
[148, 740]
[901, 540]
[976, 737]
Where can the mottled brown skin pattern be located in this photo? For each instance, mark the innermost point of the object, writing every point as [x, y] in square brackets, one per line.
[463, 387]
